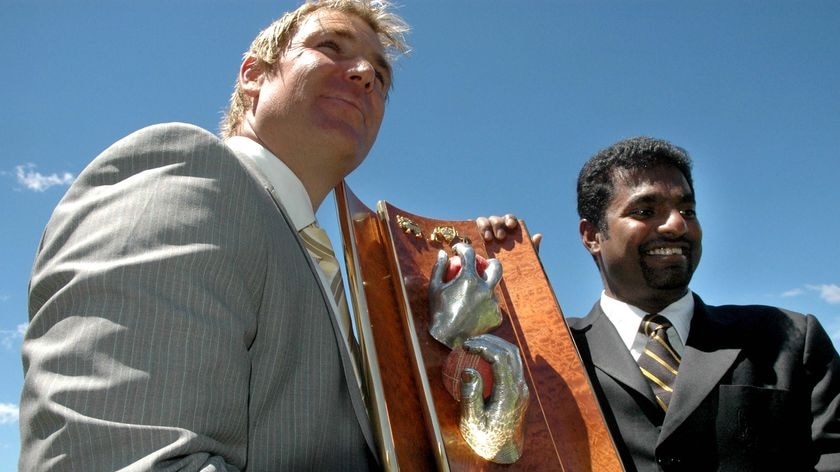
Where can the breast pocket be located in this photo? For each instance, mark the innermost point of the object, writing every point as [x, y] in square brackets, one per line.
[758, 429]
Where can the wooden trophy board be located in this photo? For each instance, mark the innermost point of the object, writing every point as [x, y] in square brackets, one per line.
[415, 418]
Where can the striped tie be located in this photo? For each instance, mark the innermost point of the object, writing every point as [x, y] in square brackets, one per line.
[659, 362]
[318, 244]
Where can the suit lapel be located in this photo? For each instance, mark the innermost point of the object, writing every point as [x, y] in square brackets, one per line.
[707, 358]
[353, 386]
[312, 264]
[610, 355]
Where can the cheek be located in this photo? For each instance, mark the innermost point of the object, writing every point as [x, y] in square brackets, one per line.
[698, 249]
[623, 252]
[295, 79]
[373, 123]
[277, 94]
[377, 114]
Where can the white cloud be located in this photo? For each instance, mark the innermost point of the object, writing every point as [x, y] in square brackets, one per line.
[8, 413]
[829, 293]
[32, 180]
[8, 338]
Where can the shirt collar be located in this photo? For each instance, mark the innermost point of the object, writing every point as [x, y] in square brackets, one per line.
[626, 318]
[286, 185]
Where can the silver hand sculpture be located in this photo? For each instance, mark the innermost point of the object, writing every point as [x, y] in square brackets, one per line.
[466, 306]
[495, 430]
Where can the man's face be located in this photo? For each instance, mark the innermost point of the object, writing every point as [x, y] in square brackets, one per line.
[326, 97]
[652, 243]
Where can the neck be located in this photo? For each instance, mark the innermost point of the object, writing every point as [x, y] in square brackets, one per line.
[318, 182]
[654, 304]
[317, 190]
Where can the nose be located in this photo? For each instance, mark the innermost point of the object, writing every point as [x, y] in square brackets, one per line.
[362, 72]
[674, 225]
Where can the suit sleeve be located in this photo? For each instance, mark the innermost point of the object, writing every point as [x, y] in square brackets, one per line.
[823, 369]
[142, 308]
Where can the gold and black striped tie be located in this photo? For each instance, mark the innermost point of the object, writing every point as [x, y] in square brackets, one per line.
[659, 362]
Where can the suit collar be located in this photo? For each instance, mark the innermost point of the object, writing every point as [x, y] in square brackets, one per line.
[627, 318]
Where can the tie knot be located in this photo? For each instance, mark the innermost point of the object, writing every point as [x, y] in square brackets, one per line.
[653, 323]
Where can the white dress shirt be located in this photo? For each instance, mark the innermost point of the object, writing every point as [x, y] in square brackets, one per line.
[627, 319]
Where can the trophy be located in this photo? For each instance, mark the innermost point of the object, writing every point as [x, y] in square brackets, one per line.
[467, 361]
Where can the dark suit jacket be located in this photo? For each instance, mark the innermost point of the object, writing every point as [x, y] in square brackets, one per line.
[758, 389]
[177, 323]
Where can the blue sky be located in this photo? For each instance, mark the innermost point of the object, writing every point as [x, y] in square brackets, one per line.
[495, 110]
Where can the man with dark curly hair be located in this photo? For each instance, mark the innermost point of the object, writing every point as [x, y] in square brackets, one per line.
[684, 385]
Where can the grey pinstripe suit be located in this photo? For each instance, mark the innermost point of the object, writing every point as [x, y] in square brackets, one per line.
[176, 323]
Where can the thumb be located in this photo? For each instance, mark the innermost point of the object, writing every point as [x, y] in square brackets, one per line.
[438, 270]
[493, 272]
[472, 403]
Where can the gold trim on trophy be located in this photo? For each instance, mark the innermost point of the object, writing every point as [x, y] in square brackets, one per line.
[447, 234]
[409, 226]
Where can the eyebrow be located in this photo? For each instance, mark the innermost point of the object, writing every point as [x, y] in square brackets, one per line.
[653, 199]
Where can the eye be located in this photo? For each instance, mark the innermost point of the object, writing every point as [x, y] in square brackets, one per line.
[330, 44]
[381, 78]
[641, 213]
[689, 214]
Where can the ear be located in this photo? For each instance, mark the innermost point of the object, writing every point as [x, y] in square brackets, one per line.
[250, 77]
[590, 236]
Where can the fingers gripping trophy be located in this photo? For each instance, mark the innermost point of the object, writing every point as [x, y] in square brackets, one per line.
[464, 312]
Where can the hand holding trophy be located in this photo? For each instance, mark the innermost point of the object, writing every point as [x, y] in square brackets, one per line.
[495, 430]
[465, 306]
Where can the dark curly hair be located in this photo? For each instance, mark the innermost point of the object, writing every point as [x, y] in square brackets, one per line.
[595, 184]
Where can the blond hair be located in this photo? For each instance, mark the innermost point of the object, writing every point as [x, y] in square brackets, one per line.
[271, 42]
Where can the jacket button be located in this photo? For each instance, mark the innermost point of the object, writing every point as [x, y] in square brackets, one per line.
[668, 461]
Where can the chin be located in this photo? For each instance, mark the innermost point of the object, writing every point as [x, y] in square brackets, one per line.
[668, 279]
[342, 157]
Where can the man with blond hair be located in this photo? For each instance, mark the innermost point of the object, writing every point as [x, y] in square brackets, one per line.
[180, 319]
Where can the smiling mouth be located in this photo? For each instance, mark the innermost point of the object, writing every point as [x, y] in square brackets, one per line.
[665, 251]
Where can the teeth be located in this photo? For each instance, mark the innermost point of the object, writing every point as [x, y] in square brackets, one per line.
[666, 251]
